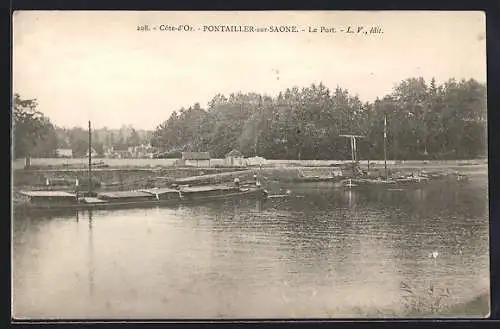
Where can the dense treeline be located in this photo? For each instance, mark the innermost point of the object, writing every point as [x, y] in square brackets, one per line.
[77, 139]
[32, 131]
[35, 135]
[424, 121]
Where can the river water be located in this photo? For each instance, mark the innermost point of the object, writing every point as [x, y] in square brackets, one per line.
[325, 252]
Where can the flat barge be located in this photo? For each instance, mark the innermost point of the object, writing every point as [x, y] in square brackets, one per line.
[59, 200]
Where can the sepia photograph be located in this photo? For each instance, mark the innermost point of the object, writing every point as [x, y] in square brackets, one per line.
[206, 165]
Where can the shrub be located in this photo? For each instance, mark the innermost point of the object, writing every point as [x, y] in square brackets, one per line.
[424, 302]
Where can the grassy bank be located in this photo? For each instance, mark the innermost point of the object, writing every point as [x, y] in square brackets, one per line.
[431, 302]
[477, 307]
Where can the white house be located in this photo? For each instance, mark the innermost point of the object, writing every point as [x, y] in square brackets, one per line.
[337, 171]
[94, 153]
[235, 159]
[196, 159]
[217, 162]
[64, 153]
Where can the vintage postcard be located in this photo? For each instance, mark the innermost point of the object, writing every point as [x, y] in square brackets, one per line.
[249, 165]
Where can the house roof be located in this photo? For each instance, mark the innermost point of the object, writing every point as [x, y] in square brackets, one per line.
[196, 155]
[234, 153]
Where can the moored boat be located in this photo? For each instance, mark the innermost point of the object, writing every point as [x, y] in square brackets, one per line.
[349, 183]
[412, 180]
[46, 198]
[202, 192]
[394, 181]
[59, 200]
[126, 196]
[316, 179]
[54, 200]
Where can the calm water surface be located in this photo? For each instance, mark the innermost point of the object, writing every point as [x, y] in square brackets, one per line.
[326, 252]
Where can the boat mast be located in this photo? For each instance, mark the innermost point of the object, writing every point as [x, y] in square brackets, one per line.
[353, 149]
[353, 154]
[385, 146]
[90, 159]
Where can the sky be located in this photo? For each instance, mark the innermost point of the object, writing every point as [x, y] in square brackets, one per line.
[96, 66]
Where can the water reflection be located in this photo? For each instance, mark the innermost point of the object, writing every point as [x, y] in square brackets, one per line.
[91, 255]
[324, 252]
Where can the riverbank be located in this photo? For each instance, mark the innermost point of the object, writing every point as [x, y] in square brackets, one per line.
[473, 308]
[108, 178]
[117, 179]
[80, 163]
[145, 177]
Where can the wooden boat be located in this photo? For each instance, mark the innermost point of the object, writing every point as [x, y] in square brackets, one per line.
[349, 184]
[59, 200]
[392, 181]
[316, 179]
[403, 181]
[56, 200]
[461, 177]
[287, 194]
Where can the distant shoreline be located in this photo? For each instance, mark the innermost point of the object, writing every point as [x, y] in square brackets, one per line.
[68, 163]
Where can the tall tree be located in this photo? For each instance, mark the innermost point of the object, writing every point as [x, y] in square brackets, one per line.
[31, 129]
[424, 120]
[133, 139]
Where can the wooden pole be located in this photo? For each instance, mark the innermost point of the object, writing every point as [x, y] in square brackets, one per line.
[352, 156]
[353, 149]
[385, 146]
[90, 159]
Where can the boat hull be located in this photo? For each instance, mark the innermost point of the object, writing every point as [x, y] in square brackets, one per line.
[397, 183]
[251, 193]
[316, 179]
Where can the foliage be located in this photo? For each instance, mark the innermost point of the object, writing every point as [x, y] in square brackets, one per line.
[78, 139]
[429, 302]
[424, 121]
[33, 134]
